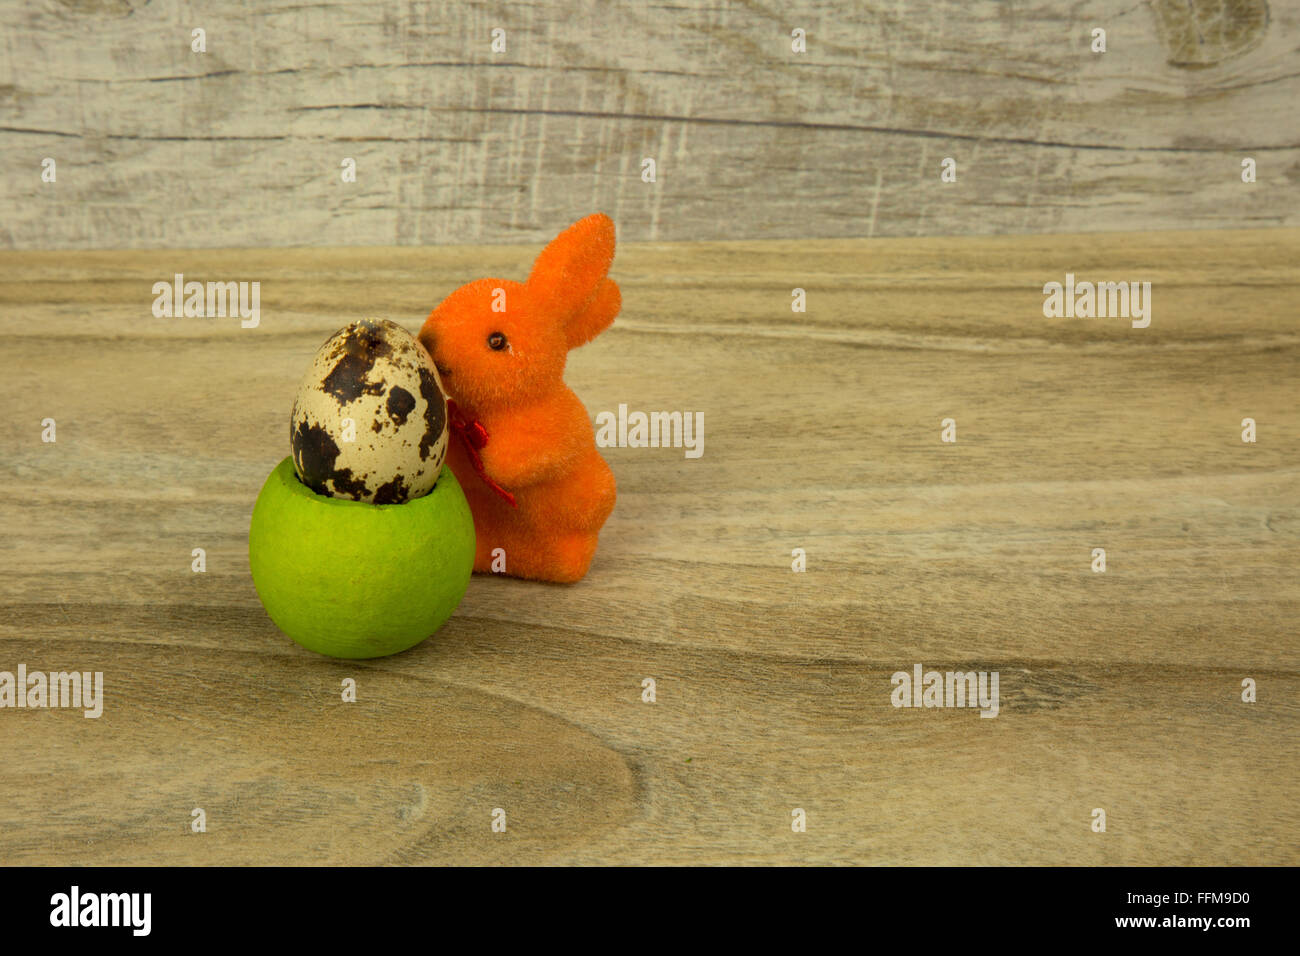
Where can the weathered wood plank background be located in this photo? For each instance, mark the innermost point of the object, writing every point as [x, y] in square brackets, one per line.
[158, 146]
[1120, 690]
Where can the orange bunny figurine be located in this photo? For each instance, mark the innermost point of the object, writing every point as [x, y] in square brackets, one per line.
[526, 455]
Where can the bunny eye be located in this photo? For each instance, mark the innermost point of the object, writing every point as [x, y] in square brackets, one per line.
[496, 341]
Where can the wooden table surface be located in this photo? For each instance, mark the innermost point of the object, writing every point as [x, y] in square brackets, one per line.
[1119, 690]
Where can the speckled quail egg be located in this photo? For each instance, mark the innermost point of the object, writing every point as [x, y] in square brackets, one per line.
[370, 420]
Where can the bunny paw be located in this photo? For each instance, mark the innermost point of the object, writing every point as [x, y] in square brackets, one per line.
[570, 557]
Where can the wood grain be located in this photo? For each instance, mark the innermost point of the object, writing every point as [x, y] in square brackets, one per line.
[159, 146]
[1119, 690]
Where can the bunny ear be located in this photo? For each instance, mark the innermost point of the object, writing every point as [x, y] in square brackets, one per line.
[569, 276]
[595, 315]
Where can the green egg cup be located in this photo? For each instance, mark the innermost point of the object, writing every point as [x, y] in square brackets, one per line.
[355, 580]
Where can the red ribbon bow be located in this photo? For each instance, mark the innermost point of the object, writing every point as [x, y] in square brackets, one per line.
[475, 436]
